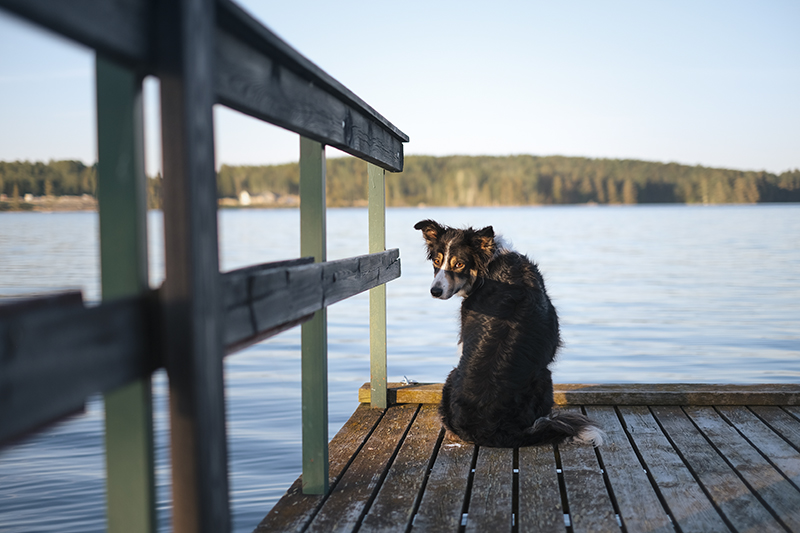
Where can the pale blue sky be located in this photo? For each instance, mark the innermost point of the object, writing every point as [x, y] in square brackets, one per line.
[713, 83]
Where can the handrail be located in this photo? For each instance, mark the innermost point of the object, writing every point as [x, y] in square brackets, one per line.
[257, 72]
[205, 52]
[96, 349]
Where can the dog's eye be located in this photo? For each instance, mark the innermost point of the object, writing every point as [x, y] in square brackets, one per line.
[459, 265]
[437, 261]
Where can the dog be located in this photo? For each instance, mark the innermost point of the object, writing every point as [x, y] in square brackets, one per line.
[501, 392]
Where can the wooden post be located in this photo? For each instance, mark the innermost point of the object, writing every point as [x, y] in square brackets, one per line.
[314, 332]
[377, 296]
[122, 198]
[191, 293]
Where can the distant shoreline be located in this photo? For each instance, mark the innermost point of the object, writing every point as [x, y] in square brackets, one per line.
[28, 202]
[87, 202]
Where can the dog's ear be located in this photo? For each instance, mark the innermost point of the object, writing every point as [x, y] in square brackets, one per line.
[483, 243]
[484, 240]
[431, 230]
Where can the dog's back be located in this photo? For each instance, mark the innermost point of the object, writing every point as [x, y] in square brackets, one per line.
[501, 392]
[509, 334]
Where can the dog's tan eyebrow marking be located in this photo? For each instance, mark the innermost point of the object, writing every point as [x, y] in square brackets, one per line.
[454, 262]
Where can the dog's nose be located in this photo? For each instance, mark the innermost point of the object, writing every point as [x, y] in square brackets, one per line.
[436, 291]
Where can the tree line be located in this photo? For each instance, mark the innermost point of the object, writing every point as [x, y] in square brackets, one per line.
[524, 180]
[456, 181]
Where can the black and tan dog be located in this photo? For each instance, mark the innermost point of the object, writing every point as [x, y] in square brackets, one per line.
[501, 392]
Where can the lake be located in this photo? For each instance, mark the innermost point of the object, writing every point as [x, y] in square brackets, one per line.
[667, 293]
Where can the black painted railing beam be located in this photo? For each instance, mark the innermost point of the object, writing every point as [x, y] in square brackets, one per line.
[55, 353]
[257, 73]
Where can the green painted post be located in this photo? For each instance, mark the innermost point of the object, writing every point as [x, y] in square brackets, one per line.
[122, 197]
[377, 296]
[314, 363]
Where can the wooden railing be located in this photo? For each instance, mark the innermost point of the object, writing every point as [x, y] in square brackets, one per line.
[204, 52]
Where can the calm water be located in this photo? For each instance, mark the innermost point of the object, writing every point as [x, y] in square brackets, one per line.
[645, 294]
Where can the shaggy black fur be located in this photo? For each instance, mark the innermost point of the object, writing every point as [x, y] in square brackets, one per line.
[501, 392]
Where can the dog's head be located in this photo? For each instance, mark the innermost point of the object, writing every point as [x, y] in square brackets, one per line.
[459, 256]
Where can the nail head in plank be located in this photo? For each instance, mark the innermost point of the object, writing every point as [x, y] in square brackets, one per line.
[637, 501]
[294, 510]
[347, 502]
[490, 502]
[762, 477]
[540, 508]
[394, 505]
[728, 492]
[441, 505]
[690, 507]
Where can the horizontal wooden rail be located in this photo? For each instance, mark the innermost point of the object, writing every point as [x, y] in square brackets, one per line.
[262, 301]
[624, 394]
[256, 72]
[54, 352]
[53, 355]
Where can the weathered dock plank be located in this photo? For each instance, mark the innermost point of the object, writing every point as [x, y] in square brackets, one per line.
[761, 477]
[662, 468]
[729, 493]
[348, 500]
[540, 507]
[688, 505]
[590, 506]
[443, 502]
[770, 444]
[394, 506]
[295, 510]
[637, 501]
[786, 394]
[490, 503]
[782, 421]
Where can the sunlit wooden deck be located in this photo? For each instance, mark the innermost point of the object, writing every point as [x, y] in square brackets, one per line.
[677, 458]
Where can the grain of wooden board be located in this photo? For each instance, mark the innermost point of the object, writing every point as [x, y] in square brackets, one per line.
[443, 501]
[785, 457]
[394, 505]
[295, 509]
[590, 506]
[540, 508]
[261, 86]
[781, 421]
[639, 507]
[689, 506]
[261, 300]
[348, 499]
[490, 502]
[757, 472]
[86, 351]
[567, 394]
[727, 490]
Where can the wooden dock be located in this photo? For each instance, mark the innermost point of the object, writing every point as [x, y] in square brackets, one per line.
[676, 458]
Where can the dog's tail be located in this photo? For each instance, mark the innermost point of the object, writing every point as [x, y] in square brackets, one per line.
[564, 426]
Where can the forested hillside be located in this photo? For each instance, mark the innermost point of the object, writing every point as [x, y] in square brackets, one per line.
[457, 181]
[524, 180]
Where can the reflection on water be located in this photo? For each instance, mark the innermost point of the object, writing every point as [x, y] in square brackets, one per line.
[645, 294]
